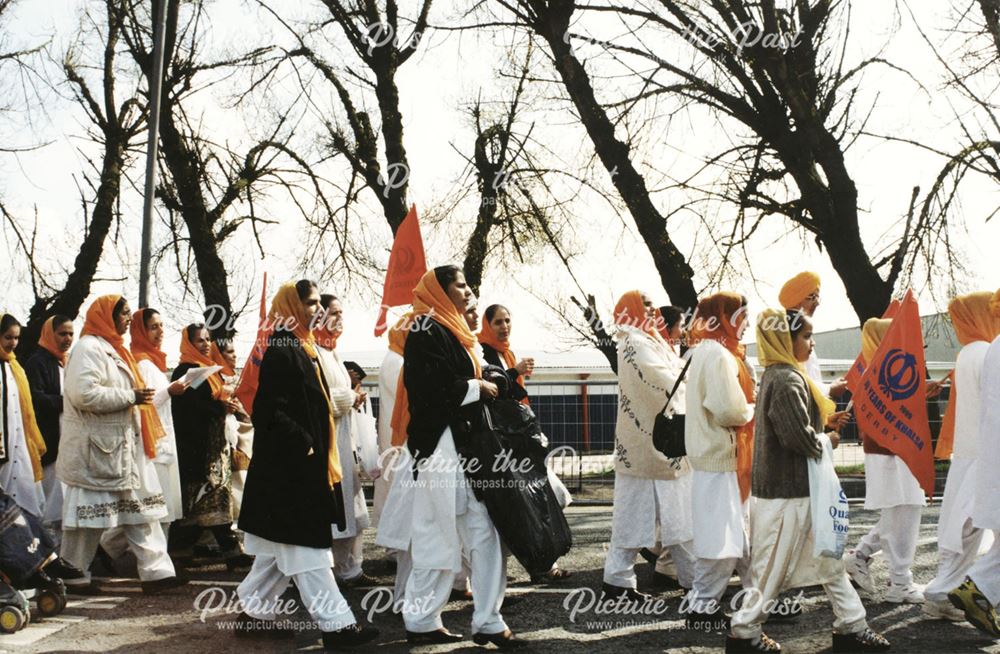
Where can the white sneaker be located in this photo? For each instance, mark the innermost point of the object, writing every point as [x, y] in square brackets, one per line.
[857, 568]
[910, 594]
[942, 610]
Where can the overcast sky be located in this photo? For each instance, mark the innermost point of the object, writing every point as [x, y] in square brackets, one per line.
[609, 257]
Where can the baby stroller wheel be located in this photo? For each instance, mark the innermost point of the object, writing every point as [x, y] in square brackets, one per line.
[12, 619]
[50, 602]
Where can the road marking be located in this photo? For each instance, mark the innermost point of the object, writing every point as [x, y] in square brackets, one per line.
[40, 627]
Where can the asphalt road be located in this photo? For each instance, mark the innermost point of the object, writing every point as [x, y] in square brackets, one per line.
[124, 620]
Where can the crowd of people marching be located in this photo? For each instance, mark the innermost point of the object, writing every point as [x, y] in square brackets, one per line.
[103, 453]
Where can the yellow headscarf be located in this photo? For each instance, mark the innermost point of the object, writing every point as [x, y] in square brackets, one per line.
[32, 435]
[289, 314]
[797, 289]
[774, 346]
[100, 322]
[995, 304]
[872, 333]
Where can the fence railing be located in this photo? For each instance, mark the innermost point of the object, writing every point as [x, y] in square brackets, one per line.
[578, 417]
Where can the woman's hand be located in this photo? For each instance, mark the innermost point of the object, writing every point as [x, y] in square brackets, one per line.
[178, 388]
[836, 421]
[488, 388]
[834, 439]
[144, 395]
[525, 367]
[232, 406]
[934, 388]
[359, 399]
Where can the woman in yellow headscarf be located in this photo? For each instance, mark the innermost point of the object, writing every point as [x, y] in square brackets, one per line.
[718, 435]
[293, 495]
[109, 439]
[891, 489]
[441, 374]
[976, 325]
[792, 411]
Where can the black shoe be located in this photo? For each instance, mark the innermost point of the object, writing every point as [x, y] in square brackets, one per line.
[361, 581]
[63, 569]
[460, 595]
[240, 561]
[715, 622]
[631, 594]
[437, 637]
[160, 585]
[748, 645]
[648, 555]
[349, 636]
[786, 609]
[665, 582]
[89, 588]
[505, 640]
[862, 641]
[248, 626]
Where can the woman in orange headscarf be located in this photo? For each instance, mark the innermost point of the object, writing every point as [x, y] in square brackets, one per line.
[976, 325]
[495, 339]
[110, 434]
[204, 454]
[441, 374]
[718, 436]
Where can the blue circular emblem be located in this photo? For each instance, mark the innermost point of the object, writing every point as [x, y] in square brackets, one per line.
[898, 375]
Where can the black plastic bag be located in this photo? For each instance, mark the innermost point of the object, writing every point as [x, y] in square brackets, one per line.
[25, 546]
[506, 468]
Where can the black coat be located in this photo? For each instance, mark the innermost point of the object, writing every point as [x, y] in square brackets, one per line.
[287, 497]
[200, 430]
[436, 372]
[42, 371]
[493, 358]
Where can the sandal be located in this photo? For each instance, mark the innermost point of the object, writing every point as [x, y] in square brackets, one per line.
[555, 574]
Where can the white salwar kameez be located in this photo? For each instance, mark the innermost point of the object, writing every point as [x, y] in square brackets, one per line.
[17, 477]
[721, 544]
[447, 522]
[275, 564]
[347, 542]
[52, 488]
[388, 379]
[986, 507]
[648, 512]
[783, 559]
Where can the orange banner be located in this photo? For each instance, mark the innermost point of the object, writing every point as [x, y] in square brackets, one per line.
[406, 266]
[891, 403]
[853, 375]
[246, 389]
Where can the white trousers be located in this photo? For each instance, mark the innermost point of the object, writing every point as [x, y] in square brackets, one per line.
[427, 590]
[260, 591]
[896, 534]
[986, 572]
[146, 541]
[954, 566]
[711, 577]
[347, 557]
[619, 566]
[848, 611]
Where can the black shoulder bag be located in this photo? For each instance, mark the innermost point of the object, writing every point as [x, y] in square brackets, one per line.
[668, 431]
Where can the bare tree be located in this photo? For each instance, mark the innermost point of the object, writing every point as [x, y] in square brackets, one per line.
[116, 119]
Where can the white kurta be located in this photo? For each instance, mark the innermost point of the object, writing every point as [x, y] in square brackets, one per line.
[986, 507]
[647, 511]
[167, 470]
[815, 373]
[51, 486]
[889, 482]
[388, 380]
[718, 515]
[291, 559]
[17, 478]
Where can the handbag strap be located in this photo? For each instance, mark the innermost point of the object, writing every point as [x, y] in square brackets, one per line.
[677, 385]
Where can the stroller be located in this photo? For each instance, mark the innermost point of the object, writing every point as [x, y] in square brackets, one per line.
[25, 549]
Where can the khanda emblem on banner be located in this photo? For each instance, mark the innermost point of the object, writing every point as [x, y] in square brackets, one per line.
[898, 375]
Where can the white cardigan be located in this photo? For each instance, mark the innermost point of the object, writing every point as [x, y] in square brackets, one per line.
[715, 407]
[647, 371]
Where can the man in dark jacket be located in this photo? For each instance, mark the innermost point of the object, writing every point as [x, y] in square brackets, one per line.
[292, 496]
[44, 369]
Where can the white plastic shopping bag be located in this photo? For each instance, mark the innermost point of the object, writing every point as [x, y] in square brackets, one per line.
[828, 505]
[366, 433]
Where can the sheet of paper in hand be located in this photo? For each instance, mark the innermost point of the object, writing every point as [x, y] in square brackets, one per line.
[195, 377]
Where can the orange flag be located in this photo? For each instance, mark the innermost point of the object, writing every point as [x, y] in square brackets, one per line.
[246, 389]
[853, 375]
[891, 403]
[406, 266]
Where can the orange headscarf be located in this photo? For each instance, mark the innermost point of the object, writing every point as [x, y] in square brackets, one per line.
[797, 289]
[191, 356]
[141, 346]
[326, 338]
[289, 314]
[631, 312]
[219, 360]
[487, 336]
[718, 318]
[399, 332]
[100, 322]
[974, 319]
[32, 434]
[431, 300]
[47, 340]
